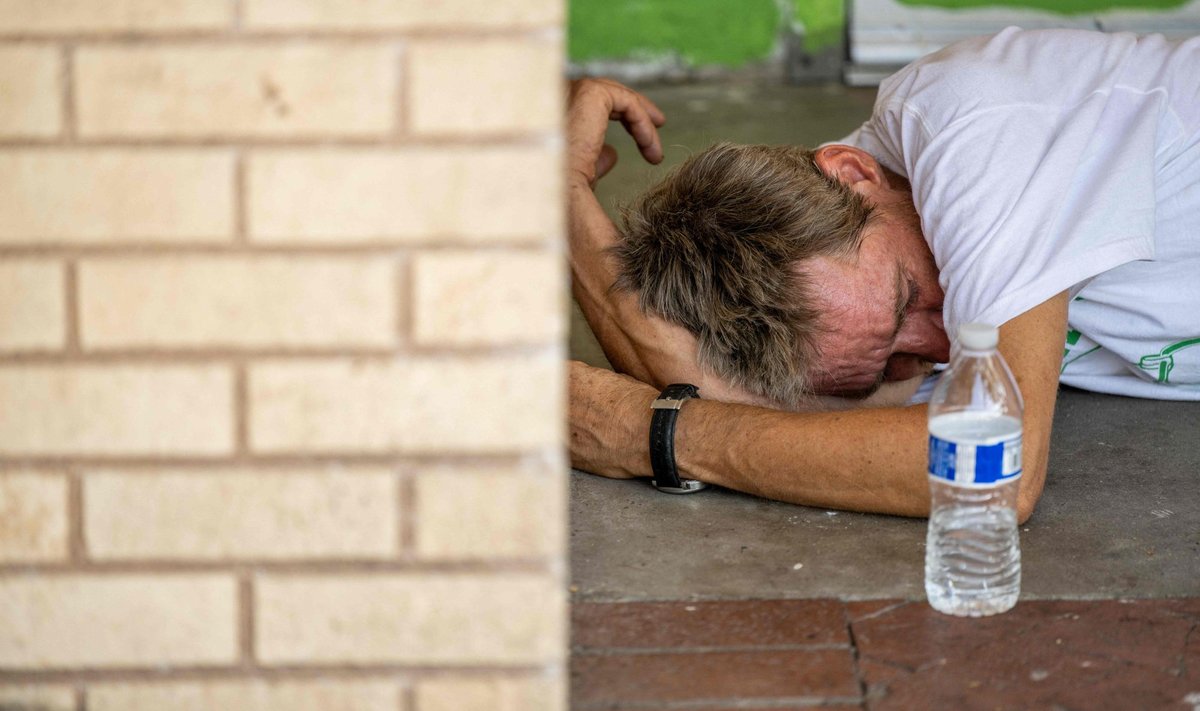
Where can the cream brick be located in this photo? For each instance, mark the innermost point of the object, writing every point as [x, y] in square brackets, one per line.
[100, 196]
[470, 195]
[253, 695]
[488, 298]
[86, 16]
[401, 14]
[117, 621]
[419, 405]
[241, 514]
[33, 517]
[494, 694]
[195, 91]
[116, 409]
[474, 512]
[409, 619]
[32, 311]
[186, 302]
[500, 86]
[30, 95]
[37, 698]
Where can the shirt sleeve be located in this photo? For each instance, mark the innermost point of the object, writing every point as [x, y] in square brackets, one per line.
[1020, 203]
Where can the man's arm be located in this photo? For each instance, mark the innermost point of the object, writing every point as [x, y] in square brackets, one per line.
[639, 344]
[859, 460]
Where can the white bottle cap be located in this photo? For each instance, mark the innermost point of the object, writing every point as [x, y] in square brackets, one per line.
[978, 336]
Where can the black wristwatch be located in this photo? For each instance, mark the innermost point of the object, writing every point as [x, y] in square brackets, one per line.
[662, 440]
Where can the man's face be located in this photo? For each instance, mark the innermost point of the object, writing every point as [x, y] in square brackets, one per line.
[882, 313]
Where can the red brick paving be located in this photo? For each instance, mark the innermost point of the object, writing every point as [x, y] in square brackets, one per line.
[734, 623]
[885, 654]
[708, 676]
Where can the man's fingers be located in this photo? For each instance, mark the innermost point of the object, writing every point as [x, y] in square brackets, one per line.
[592, 103]
[627, 108]
[656, 114]
[637, 122]
[606, 161]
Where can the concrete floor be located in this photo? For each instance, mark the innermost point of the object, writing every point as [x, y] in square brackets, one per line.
[1120, 516]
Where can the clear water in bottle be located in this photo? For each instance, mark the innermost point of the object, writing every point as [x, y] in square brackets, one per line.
[972, 558]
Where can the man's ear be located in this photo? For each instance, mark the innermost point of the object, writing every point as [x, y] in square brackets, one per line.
[852, 167]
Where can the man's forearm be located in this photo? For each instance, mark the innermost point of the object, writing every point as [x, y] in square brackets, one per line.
[591, 235]
[636, 343]
[860, 460]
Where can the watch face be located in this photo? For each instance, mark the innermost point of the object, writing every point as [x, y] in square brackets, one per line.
[686, 486]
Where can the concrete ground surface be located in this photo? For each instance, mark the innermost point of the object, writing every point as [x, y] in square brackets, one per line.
[1112, 551]
[1120, 517]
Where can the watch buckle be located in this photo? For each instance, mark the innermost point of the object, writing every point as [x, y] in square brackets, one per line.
[686, 486]
[667, 403]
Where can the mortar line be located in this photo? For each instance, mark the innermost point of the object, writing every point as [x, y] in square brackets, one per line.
[408, 697]
[80, 697]
[327, 142]
[76, 541]
[239, 14]
[313, 566]
[533, 32]
[405, 300]
[282, 462]
[395, 671]
[241, 410]
[67, 75]
[71, 344]
[400, 101]
[407, 509]
[246, 618]
[201, 356]
[325, 248]
[240, 199]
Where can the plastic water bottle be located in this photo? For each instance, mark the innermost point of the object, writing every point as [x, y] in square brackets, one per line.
[972, 554]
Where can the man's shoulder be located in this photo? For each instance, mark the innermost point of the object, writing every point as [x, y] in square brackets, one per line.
[1013, 67]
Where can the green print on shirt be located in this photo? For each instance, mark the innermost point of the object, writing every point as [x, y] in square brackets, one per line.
[1163, 362]
[1072, 339]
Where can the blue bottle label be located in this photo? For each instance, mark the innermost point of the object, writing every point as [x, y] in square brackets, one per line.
[975, 465]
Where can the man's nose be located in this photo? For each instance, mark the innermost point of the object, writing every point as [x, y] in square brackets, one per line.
[924, 335]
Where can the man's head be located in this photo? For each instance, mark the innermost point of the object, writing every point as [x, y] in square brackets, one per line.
[799, 272]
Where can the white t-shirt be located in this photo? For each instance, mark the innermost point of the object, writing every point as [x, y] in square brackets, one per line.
[1054, 160]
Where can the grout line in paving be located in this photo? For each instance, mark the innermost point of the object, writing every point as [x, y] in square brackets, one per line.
[877, 613]
[630, 651]
[776, 703]
[854, 654]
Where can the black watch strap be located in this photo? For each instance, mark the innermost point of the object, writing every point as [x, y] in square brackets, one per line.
[662, 439]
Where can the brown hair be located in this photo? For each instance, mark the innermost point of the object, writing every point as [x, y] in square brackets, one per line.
[713, 248]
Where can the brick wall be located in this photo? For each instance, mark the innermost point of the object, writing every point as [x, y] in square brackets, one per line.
[281, 401]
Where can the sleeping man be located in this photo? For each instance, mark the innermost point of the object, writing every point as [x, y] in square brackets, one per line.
[787, 284]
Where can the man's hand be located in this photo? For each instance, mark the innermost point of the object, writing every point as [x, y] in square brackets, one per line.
[609, 422]
[591, 104]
